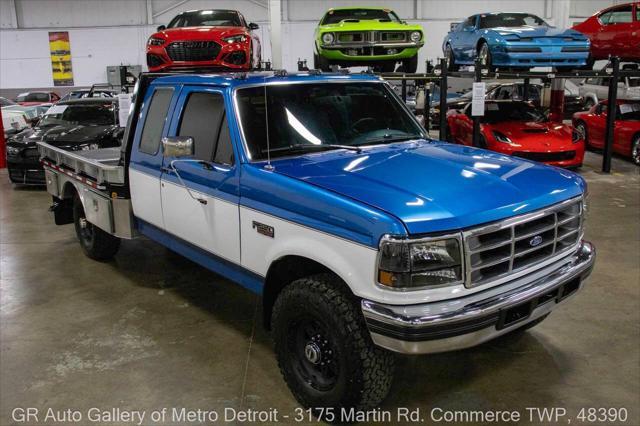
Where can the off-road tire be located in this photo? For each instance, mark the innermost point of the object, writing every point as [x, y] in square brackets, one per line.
[95, 243]
[365, 371]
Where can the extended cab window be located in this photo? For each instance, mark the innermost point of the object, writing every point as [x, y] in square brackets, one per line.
[156, 114]
[201, 121]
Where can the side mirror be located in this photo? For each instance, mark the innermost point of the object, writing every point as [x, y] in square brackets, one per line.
[161, 27]
[177, 146]
[253, 26]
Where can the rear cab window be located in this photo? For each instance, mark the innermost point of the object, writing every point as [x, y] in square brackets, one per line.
[155, 120]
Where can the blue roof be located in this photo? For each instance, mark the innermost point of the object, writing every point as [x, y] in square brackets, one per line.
[253, 78]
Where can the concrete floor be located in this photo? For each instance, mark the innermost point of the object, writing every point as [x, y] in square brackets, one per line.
[152, 330]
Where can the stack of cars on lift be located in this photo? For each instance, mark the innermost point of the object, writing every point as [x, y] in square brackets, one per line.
[205, 39]
[514, 40]
[613, 32]
[366, 37]
[518, 128]
[515, 91]
[79, 124]
[626, 133]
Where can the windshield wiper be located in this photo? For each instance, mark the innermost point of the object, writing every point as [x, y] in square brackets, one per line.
[308, 147]
[389, 139]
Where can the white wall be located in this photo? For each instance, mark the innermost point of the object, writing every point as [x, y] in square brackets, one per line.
[114, 32]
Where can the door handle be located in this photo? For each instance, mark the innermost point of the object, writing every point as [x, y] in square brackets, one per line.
[166, 170]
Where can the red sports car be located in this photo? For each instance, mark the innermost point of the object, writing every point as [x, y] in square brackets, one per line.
[614, 31]
[205, 39]
[626, 133]
[518, 128]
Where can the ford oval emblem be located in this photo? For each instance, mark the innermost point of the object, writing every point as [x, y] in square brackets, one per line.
[535, 241]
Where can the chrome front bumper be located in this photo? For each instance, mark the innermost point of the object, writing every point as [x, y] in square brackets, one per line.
[471, 320]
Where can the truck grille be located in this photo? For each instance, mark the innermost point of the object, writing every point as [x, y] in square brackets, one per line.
[190, 51]
[504, 248]
[369, 37]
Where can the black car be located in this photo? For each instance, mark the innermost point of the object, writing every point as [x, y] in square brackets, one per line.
[515, 91]
[79, 124]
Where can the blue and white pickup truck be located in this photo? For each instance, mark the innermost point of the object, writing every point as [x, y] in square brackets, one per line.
[322, 193]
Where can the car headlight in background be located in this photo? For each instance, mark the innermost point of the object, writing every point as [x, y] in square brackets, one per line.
[406, 264]
[501, 137]
[240, 38]
[327, 38]
[155, 41]
[12, 150]
[415, 36]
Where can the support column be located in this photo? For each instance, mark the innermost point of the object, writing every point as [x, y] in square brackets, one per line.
[275, 22]
[557, 100]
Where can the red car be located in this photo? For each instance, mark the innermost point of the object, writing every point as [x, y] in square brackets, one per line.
[614, 31]
[517, 128]
[626, 133]
[37, 98]
[205, 39]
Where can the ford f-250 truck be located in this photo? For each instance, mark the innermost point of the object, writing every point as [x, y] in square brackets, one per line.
[323, 194]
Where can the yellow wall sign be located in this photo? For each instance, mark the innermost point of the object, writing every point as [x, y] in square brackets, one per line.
[60, 50]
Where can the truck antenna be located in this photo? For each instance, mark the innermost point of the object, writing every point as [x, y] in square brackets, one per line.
[266, 118]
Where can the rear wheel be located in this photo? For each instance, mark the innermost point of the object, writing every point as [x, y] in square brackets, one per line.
[95, 243]
[324, 349]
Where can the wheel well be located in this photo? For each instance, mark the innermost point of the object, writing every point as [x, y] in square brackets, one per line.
[480, 42]
[68, 191]
[283, 272]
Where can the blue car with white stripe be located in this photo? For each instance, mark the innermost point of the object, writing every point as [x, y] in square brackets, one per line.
[322, 194]
[514, 40]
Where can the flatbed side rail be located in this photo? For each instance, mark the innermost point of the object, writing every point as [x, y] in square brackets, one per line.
[84, 167]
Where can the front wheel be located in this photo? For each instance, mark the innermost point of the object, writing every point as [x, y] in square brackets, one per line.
[581, 129]
[95, 243]
[635, 150]
[324, 349]
[451, 59]
[484, 53]
[410, 65]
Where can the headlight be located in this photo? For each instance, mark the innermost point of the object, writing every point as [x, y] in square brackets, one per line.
[501, 138]
[240, 38]
[415, 36]
[327, 38]
[406, 264]
[12, 150]
[155, 41]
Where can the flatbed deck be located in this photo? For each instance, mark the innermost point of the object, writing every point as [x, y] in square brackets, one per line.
[101, 165]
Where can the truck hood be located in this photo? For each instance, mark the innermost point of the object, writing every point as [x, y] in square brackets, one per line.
[436, 186]
[527, 31]
[62, 135]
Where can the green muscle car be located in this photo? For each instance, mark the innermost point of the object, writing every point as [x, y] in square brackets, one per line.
[366, 37]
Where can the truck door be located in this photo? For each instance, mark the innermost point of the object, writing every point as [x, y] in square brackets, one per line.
[200, 194]
[146, 158]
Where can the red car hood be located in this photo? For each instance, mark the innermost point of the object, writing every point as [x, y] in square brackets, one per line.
[32, 103]
[534, 136]
[198, 33]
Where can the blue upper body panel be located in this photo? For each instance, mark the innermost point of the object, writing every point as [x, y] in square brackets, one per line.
[524, 46]
[408, 188]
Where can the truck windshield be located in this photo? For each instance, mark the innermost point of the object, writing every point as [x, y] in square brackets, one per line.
[206, 18]
[316, 114]
[85, 115]
[336, 16]
[510, 20]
